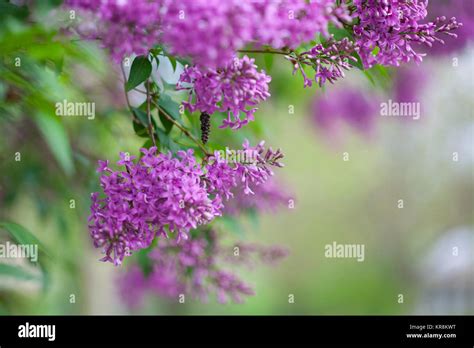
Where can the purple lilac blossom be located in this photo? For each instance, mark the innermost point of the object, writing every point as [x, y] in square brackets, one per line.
[388, 30]
[237, 88]
[159, 193]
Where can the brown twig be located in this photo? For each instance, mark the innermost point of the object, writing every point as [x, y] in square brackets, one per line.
[151, 131]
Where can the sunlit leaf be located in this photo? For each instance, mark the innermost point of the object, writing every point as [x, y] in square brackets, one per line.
[139, 72]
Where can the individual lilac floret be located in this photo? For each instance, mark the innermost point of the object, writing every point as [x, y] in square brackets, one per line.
[387, 30]
[236, 88]
[329, 60]
[148, 195]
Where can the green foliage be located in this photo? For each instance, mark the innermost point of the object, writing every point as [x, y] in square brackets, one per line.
[21, 235]
[57, 140]
[16, 272]
[171, 108]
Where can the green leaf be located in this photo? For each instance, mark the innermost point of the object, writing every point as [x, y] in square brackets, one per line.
[166, 142]
[16, 272]
[173, 62]
[339, 33]
[358, 63]
[9, 9]
[141, 127]
[147, 144]
[140, 130]
[21, 235]
[166, 123]
[139, 72]
[169, 106]
[268, 58]
[369, 76]
[57, 140]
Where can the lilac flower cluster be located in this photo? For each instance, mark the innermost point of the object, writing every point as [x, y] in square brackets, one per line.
[192, 268]
[124, 27]
[146, 196]
[329, 60]
[159, 194]
[237, 87]
[387, 30]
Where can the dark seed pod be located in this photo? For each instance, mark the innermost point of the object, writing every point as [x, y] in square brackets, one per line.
[205, 127]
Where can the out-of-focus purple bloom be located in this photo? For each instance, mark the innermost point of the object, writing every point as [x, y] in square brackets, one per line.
[387, 30]
[123, 26]
[236, 88]
[191, 267]
[464, 12]
[329, 61]
[269, 196]
[208, 31]
[408, 84]
[346, 105]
